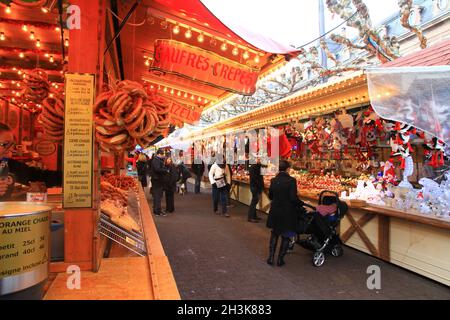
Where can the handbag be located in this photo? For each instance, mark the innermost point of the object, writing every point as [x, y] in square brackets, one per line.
[220, 182]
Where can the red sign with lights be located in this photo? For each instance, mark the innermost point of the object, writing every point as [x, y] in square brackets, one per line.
[194, 63]
[184, 113]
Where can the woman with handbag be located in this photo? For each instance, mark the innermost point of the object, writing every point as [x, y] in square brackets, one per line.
[217, 178]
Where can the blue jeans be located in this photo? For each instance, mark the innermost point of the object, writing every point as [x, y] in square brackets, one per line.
[219, 194]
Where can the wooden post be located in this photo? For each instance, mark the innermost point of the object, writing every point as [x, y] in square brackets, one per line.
[86, 56]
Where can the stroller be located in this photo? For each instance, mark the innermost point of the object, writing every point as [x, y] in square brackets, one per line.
[322, 237]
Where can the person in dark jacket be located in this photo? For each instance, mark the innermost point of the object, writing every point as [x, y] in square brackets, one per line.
[170, 185]
[142, 169]
[159, 170]
[283, 212]
[198, 168]
[14, 171]
[183, 174]
[256, 187]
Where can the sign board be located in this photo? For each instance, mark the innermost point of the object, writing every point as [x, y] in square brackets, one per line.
[45, 147]
[184, 113]
[197, 64]
[78, 140]
[24, 243]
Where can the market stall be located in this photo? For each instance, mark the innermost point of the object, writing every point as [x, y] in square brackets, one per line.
[339, 143]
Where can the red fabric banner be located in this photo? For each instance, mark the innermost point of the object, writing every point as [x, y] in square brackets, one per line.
[203, 66]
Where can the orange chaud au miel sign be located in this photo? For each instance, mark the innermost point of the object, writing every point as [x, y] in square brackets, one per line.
[194, 63]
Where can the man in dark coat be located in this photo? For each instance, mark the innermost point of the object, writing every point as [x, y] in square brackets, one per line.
[183, 174]
[170, 185]
[256, 187]
[283, 212]
[159, 170]
[198, 167]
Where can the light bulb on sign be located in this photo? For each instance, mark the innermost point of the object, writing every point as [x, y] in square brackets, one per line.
[8, 9]
[200, 38]
[192, 97]
[32, 35]
[57, 29]
[165, 90]
[256, 59]
[147, 63]
[185, 95]
[235, 51]
[66, 42]
[38, 43]
[51, 59]
[179, 93]
[21, 55]
[25, 28]
[2, 36]
[213, 42]
[188, 34]
[172, 91]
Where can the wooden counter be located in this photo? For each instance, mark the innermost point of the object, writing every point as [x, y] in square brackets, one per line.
[413, 241]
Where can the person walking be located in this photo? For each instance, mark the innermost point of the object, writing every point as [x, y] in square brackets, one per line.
[198, 167]
[219, 186]
[183, 174]
[142, 169]
[256, 187]
[229, 180]
[170, 185]
[159, 170]
[282, 215]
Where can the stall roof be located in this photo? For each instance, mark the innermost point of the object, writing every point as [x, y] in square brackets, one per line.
[436, 55]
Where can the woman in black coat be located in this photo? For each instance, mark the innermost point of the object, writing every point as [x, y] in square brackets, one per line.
[170, 185]
[142, 169]
[283, 212]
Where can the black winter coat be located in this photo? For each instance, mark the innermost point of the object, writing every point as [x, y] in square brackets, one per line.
[198, 168]
[285, 202]
[183, 172]
[256, 179]
[170, 179]
[142, 168]
[159, 170]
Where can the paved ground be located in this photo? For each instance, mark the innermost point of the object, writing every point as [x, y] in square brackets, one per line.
[217, 258]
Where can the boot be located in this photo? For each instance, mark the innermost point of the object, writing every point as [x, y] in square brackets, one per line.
[283, 250]
[272, 248]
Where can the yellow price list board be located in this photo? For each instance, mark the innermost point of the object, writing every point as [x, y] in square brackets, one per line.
[78, 140]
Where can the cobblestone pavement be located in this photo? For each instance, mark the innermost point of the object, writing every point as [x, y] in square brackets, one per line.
[218, 258]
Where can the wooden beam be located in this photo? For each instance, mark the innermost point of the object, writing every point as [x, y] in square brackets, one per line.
[361, 222]
[384, 237]
[363, 236]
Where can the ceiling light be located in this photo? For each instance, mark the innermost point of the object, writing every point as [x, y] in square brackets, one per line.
[188, 34]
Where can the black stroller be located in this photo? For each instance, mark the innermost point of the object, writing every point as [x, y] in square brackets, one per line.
[321, 235]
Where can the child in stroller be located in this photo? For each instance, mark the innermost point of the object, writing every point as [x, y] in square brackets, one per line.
[320, 227]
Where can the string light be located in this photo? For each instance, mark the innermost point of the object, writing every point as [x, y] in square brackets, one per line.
[32, 35]
[185, 95]
[200, 38]
[192, 97]
[8, 9]
[223, 47]
[172, 91]
[2, 36]
[25, 28]
[165, 89]
[19, 72]
[176, 29]
[188, 34]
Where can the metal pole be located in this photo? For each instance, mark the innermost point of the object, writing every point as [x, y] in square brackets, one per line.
[321, 32]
